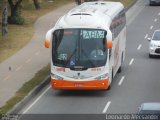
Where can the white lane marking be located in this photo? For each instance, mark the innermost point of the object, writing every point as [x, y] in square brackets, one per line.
[106, 107]
[139, 47]
[18, 68]
[132, 60]
[121, 81]
[146, 36]
[7, 77]
[155, 20]
[28, 60]
[37, 53]
[159, 13]
[36, 100]
[151, 27]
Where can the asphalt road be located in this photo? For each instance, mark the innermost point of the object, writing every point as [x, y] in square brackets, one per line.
[138, 82]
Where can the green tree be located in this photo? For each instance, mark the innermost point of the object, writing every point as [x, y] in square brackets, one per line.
[36, 4]
[15, 17]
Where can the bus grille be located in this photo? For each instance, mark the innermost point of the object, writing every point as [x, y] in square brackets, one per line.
[157, 50]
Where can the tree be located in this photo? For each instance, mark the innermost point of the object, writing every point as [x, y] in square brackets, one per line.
[4, 18]
[78, 2]
[36, 4]
[15, 17]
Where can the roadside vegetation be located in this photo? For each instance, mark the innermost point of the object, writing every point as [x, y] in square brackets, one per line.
[20, 35]
[126, 3]
[25, 89]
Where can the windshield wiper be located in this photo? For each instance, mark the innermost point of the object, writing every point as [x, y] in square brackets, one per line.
[75, 50]
[88, 58]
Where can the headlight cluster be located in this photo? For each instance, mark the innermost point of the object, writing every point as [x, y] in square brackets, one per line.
[57, 77]
[102, 77]
[153, 45]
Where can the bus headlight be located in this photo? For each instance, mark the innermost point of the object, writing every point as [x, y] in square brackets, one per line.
[57, 77]
[102, 77]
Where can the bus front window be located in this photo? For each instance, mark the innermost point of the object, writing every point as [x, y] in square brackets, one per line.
[79, 47]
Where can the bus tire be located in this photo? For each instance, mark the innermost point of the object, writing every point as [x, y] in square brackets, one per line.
[109, 87]
[150, 56]
[120, 68]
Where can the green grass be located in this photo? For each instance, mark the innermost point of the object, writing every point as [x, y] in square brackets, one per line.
[126, 3]
[25, 89]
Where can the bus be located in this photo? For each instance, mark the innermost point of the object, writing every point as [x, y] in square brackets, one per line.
[87, 46]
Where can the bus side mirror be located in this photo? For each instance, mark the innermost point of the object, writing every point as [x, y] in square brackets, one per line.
[149, 39]
[109, 44]
[47, 43]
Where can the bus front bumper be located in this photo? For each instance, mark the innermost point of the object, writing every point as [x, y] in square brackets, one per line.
[80, 85]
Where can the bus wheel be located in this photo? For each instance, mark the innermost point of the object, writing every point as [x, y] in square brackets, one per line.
[150, 56]
[120, 68]
[109, 87]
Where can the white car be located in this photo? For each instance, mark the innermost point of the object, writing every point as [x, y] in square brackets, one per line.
[154, 2]
[150, 109]
[154, 45]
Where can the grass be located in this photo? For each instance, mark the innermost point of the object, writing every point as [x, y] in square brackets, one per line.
[16, 35]
[126, 3]
[25, 89]
[20, 35]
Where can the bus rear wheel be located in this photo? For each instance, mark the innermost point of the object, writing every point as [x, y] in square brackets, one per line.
[120, 68]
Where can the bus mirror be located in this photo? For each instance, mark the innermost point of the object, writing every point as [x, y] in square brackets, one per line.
[47, 43]
[149, 39]
[109, 44]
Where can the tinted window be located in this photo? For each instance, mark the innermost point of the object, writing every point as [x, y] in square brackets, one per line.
[156, 35]
[79, 47]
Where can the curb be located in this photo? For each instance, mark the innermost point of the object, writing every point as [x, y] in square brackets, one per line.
[19, 106]
[131, 5]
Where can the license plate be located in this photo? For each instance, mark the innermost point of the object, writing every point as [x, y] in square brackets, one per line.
[79, 85]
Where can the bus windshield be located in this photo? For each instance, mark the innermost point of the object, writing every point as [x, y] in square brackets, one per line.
[79, 47]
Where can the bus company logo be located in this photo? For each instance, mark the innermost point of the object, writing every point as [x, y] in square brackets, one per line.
[60, 69]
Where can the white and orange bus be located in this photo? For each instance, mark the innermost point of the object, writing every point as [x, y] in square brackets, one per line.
[87, 46]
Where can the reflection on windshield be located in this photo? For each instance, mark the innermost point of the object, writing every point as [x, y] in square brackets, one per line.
[156, 36]
[79, 47]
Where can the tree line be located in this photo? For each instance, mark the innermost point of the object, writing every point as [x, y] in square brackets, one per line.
[15, 17]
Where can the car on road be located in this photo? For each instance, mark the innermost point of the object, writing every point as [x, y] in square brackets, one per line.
[150, 108]
[154, 2]
[154, 45]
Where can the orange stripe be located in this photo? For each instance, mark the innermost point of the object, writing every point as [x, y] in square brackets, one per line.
[80, 85]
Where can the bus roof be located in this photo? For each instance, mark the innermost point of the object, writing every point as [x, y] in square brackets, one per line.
[90, 14]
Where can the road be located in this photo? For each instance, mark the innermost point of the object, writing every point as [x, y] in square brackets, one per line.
[138, 82]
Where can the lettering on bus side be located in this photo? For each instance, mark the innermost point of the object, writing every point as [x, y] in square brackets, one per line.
[116, 54]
